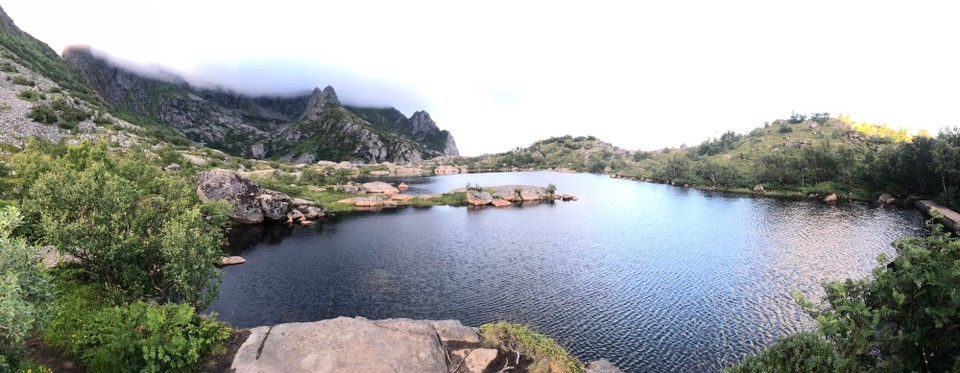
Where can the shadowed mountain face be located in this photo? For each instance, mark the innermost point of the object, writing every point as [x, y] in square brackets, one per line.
[301, 128]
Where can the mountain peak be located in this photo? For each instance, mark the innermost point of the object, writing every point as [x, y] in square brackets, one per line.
[6, 23]
[331, 94]
[422, 123]
[324, 95]
[77, 52]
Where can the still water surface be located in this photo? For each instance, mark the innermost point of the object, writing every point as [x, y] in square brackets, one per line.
[652, 277]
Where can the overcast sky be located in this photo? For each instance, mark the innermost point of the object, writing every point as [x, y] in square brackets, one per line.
[502, 74]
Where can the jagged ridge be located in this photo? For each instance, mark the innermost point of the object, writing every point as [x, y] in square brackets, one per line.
[303, 128]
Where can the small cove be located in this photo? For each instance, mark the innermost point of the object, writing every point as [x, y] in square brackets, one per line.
[651, 277]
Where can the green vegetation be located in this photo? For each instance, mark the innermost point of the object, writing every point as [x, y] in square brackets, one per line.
[905, 317]
[796, 157]
[131, 226]
[25, 290]
[31, 95]
[547, 355]
[144, 248]
[57, 111]
[20, 80]
[110, 336]
[43, 113]
[7, 67]
[585, 154]
[801, 352]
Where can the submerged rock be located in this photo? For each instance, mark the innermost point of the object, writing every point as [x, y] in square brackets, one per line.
[602, 366]
[231, 260]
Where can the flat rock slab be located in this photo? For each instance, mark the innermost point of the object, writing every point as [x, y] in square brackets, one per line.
[351, 345]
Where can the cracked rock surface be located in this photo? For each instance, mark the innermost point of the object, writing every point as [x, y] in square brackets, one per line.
[360, 345]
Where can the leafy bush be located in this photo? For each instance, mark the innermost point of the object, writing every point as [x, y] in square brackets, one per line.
[70, 115]
[25, 292]
[30, 95]
[20, 80]
[785, 129]
[547, 355]
[451, 199]
[551, 189]
[797, 118]
[133, 227]
[137, 337]
[906, 316]
[802, 352]
[7, 67]
[43, 113]
[281, 182]
[312, 176]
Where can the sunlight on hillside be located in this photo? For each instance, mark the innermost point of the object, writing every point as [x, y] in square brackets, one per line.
[899, 134]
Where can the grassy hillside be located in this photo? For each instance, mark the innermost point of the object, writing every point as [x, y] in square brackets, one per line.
[584, 154]
[788, 157]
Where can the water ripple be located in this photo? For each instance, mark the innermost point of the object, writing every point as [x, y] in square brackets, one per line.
[651, 277]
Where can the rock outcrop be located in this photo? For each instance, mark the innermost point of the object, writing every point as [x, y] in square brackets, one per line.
[380, 187]
[231, 260]
[360, 345]
[243, 194]
[503, 195]
[479, 198]
[251, 203]
[356, 345]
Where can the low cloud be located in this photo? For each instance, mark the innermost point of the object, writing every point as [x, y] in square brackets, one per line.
[280, 77]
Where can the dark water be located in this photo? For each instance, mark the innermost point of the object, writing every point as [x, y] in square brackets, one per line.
[651, 277]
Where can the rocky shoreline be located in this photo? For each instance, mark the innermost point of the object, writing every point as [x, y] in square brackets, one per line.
[357, 344]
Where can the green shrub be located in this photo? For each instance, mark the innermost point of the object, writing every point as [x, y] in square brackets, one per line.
[30, 95]
[547, 355]
[312, 176]
[137, 337]
[7, 67]
[134, 228]
[281, 182]
[20, 80]
[785, 129]
[70, 115]
[906, 316]
[43, 113]
[474, 187]
[802, 352]
[25, 292]
[451, 199]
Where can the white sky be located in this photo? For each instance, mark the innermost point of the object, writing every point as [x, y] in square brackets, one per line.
[501, 74]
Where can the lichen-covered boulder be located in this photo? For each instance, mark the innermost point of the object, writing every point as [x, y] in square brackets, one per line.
[478, 198]
[251, 203]
[380, 187]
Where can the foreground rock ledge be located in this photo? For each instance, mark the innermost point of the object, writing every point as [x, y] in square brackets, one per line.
[361, 345]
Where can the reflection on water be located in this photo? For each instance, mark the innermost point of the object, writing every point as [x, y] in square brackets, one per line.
[652, 277]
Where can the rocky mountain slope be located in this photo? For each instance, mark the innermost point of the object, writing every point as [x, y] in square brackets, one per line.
[301, 128]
